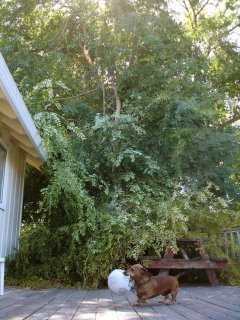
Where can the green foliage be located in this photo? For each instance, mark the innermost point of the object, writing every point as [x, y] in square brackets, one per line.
[230, 275]
[138, 115]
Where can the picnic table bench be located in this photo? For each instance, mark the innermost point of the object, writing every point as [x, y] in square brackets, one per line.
[202, 261]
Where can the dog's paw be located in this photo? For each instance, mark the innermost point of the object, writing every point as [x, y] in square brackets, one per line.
[136, 305]
[165, 300]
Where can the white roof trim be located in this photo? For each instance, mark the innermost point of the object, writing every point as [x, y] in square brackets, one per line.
[14, 98]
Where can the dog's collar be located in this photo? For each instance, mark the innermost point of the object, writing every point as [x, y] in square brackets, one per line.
[141, 283]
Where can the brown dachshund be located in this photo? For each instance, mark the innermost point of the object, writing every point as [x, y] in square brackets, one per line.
[149, 286]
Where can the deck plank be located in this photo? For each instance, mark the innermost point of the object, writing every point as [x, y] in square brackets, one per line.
[188, 312]
[209, 310]
[167, 312]
[146, 311]
[124, 308]
[88, 307]
[106, 308]
[193, 303]
[215, 299]
[60, 307]
[26, 303]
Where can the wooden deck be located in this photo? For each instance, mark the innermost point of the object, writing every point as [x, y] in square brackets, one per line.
[194, 303]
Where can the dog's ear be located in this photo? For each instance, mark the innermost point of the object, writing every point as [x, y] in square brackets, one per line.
[145, 271]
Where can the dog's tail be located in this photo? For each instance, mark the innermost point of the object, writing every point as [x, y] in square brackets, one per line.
[181, 274]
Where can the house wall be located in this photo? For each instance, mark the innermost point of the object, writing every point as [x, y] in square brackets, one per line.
[11, 211]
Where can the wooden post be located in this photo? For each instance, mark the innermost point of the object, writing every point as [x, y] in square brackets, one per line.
[169, 254]
[2, 261]
[212, 277]
[210, 272]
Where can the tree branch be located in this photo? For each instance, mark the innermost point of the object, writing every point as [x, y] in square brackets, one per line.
[194, 13]
[114, 87]
[189, 13]
[230, 121]
[118, 101]
[204, 5]
[87, 55]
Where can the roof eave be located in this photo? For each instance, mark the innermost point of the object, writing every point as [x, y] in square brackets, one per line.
[14, 98]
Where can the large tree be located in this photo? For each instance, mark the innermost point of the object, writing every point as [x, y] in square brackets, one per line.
[137, 121]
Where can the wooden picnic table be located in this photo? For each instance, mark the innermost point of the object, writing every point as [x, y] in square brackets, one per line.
[201, 262]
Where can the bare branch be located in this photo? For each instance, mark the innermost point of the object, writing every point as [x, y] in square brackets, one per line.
[233, 28]
[181, 4]
[186, 7]
[202, 8]
[230, 121]
[118, 101]
[188, 13]
[87, 55]
[194, 13]
[114, 87]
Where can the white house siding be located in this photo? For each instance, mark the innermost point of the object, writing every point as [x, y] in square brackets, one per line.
[10, 218]
[19, 136]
